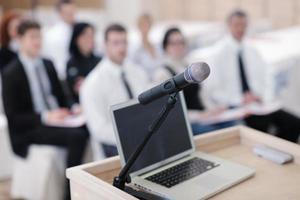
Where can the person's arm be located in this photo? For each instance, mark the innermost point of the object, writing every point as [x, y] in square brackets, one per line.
[96, 111]
[196, 116]
[213, 92]
[160, 75]
[60, 92]
[71, 76]
[214, 89]
[13, 105]
[264, 82]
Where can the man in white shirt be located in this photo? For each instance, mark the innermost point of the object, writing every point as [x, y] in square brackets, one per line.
[57, 39]
[113, 81]
[240, 77]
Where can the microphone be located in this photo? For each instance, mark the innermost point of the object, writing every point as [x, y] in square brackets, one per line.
[194, 73]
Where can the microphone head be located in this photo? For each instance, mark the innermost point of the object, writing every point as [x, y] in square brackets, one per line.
[196, 72]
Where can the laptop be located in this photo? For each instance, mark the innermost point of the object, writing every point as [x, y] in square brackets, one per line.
[169, 165]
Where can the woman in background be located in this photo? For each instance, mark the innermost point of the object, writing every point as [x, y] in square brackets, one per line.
[175, 48]
[146, 55]
[8, 37]
[82, 59]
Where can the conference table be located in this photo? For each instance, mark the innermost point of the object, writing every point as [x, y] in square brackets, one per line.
[272, 181]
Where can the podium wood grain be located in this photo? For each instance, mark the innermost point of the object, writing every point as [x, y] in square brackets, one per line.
[271, 181]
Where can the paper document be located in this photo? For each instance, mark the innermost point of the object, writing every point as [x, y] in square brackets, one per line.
[241, 112]
[263, 109]
[72, 121]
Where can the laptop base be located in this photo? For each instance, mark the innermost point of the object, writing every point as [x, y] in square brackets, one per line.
[143, 195]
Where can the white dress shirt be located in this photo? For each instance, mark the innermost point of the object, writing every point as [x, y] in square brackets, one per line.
[161, 74]
[56, 46]
[144, 59]
[102, 88]
[224, 83]
[30, 65]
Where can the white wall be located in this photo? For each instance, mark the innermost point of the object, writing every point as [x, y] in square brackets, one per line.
[125, 12]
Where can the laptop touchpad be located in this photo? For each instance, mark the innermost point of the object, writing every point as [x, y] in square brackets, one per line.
[210, 181]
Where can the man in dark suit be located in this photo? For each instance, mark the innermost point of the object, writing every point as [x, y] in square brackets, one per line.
[34, 100]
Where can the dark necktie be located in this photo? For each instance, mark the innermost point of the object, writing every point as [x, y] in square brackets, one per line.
[243, 76]
[125, 82]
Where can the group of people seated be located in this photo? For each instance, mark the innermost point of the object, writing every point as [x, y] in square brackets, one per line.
[47, 77]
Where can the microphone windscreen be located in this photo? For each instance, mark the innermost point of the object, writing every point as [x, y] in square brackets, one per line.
[196, 72]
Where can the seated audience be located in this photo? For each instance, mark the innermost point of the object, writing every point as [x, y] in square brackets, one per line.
[174, 45]
[34, 101]
[83, 59]
[8, 37]
[57, 38]
[113, 81]
[240, 78]
[147, 55]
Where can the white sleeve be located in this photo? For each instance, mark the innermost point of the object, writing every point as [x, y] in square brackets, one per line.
[160, 75]
[265, 88]
[96, 112]
[212, 91]
[135, 57]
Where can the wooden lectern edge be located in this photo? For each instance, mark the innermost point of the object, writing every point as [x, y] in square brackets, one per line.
[81, 177]
[246, 136]
[213, 141]
[252, 137]
[217, 140]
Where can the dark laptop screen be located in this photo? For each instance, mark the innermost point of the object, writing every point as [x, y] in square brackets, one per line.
[132, 123]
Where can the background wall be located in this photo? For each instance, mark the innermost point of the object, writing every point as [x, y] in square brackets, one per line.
[27, 4]
[280, 13]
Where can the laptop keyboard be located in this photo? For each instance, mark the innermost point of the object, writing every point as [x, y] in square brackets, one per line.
[182, 172]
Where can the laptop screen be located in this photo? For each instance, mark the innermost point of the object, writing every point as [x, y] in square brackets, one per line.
[132, 122]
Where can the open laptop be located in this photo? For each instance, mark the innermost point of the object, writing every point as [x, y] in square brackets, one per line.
[169, 165]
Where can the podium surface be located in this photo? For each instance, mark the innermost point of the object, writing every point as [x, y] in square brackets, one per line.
[93, 181]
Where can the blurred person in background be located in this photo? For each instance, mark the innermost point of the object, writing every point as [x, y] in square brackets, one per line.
[57, 38]
[9, 37]
[82, 60]
[114, 80]
[147, 55]
[34, 101]
[175, 47]
[240, 78]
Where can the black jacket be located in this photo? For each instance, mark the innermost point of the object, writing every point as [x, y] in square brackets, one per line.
[6, 56]
[79, 66]
[18, 103]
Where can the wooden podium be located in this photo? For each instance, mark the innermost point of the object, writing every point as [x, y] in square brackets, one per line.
[271, 181]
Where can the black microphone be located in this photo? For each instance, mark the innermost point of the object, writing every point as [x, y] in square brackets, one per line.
[194, 73]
